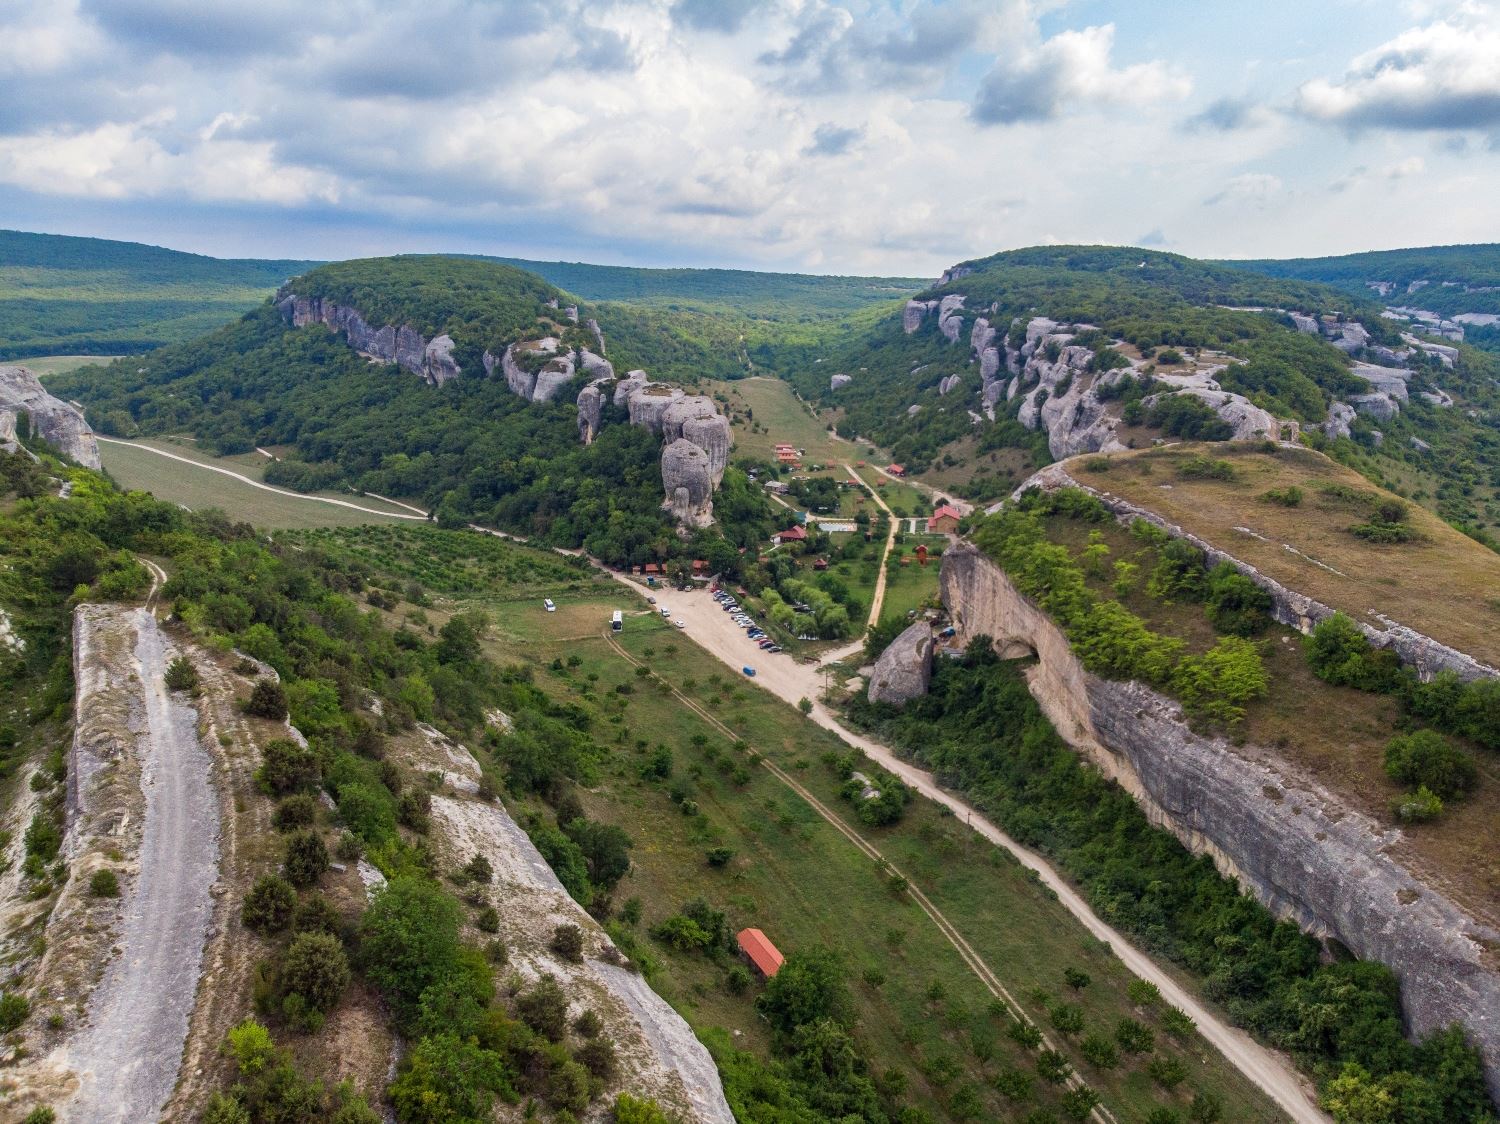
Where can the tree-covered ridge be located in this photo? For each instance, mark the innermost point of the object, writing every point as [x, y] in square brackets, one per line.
[91, 295]
[1476, 264]
[474, 301]
[777, 295]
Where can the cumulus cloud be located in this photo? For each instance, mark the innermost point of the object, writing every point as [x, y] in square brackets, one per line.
[724, 16]
[1072, 67]
[1442, 76]
[1153, 237]
[1253, 188]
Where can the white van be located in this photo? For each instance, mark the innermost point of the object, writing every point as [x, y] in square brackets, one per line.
[548, 605]
[617, 622]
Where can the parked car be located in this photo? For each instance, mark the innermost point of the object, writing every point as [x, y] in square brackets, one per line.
[680, 623]
[749, 671]
[548, 605]
[650, 601]
[774, 648]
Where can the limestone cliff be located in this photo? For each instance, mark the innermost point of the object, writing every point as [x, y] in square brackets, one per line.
[400, 344]
[904, 669]
[688, 482]
[1285, 838]
[59, 423]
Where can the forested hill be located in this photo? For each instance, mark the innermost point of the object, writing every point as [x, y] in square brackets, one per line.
[1443, 274]
[779, 295]
[91, 296]
[471, 448]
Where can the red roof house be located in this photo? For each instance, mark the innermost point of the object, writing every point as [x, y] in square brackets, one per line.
[944, 520]
[896, 469]
[761, 953]
[793, 534]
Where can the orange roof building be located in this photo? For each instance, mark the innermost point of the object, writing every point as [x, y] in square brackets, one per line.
[761, 953]
[944, 520]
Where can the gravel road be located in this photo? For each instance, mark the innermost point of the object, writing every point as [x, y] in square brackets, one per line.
[128, 1055]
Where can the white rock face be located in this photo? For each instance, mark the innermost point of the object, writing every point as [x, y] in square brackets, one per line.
[914, 314]
[596, 365]
[687, 479]
[949, 321]
[1308, 324]
[403, 345]
[839, 381]
[1340, 416]
[59, 423]
[590, 412]
[649, 404]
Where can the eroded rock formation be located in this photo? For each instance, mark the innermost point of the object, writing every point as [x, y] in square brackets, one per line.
[400, 344]
[59, 423]
[687, 479]
[904, 669]
[1285, 838]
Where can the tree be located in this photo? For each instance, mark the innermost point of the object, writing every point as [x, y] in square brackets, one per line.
[808, 987]
[1431, 761]
[269, 904]
[181, 675]
[805, 705]
[605, 848]
[446, 1079]
[1236, 605]
[287, 766]
[1218, 684]
[306, 859]
[315, 967]
[409, 939]
[544, 1008]
[267, 700]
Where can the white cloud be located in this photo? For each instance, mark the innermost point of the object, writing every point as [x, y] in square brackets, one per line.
[1442, 76]
[1071, 68]
[1252, 188]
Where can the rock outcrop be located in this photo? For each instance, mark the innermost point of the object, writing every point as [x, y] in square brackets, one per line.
[914, 313]
[59, 423]
[1285, 838]
[401, 344]
[590, 412]
[687, 479]
[950, 323]
[839, 381]
[904, 670]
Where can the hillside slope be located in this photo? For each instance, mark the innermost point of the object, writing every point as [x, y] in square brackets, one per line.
[92, 296]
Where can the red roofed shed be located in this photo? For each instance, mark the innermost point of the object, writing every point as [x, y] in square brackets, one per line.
[760, 952]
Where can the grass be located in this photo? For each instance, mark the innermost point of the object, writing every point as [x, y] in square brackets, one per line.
[179, 483]
[1443, 586]
[908, 587]
[805, 885]
[44, 365]
[778, 416]
[1336, 735]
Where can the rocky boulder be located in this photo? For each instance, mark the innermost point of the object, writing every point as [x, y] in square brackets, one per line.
[59, 423]
[904, 669]
[1340, 416]
[632, 382]
[914, 313]
[950, 323]
[687, 480]
[648, 404]
[680, 410]
[590, 412]
[711, 434]
[596, 365]
[557, 374]
[839, 381]
[437, 360]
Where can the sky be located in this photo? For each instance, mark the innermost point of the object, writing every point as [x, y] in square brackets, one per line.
[829, 136]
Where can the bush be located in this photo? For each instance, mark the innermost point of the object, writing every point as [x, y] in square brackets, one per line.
[1217, 685]
[1236, 605]
[267, 700]
[104, 884]
[1338, 653]
[306, 859]
[478, 869]
[41, 1114]
[1053, 1067]
[1134, 1037]
[315, 968]
[14, 1010]
[1099, 1051]
[544, 1008]
[269, 904]
[1417, 807]
[181, 675]
[1167, 1072]
[720, 856]
[1290, 496]
[297, 810]
[567, 942]
[1078, 1102]
[1428, 760]
[1067, 1018]
[629, 1110]
[1177, 1022]
[1205, 468]
[315, 914]
[287, 766]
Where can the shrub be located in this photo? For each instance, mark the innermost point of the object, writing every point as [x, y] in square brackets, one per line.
[269, 904]
[306, 859]
[287, 766]
[1417, 807]
[1099, 1051]
[1217, 685]
[297, 810]
[14, 1010]
[478, 869]
[1014, 1085]
[41, 1114]
[1290, 496]
[629, 1110]
[315, 914]
[104, 884]
[1134, 1037]
[1206, 1108]
[1205, 468]
[544, 1008]
[1076, 978]
[1078, 1102]
[1053, 1067]
[267, 700]
[1177, 1022]
[181, 675]
[315, 967]
[1236, 605]
[1068, 1018]
[1167, 1072]
[597, 1055]
[1338, 653]
[488, 920]
[1027, 1035]
[1429, 760]
[414, 810]
[720, 856]
[567, 942]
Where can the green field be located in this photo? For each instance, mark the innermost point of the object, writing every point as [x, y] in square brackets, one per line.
[921, 1012]
[767, 411]
[199, 488]
[43, 365]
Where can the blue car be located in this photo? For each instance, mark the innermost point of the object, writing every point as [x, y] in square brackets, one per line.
[750, 671]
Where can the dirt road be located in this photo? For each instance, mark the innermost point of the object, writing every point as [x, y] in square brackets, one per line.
[710, 627]
[127, 1057]
[878, 599]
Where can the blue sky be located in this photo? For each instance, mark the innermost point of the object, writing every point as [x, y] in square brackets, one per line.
[869, 136]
